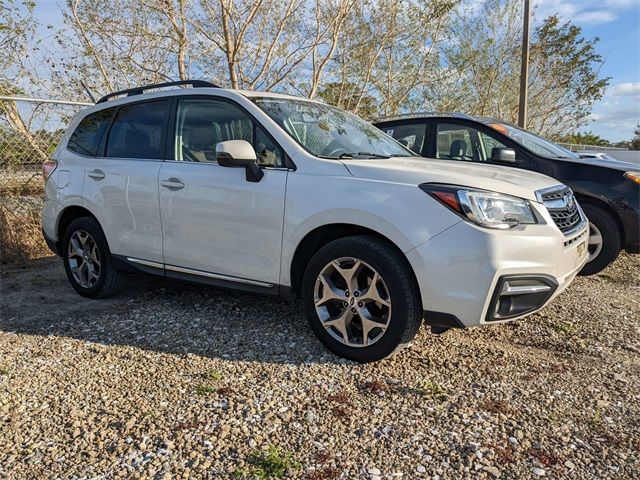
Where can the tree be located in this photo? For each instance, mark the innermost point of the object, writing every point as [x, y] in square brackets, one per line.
[483, 58]
[586, 138]
[349, 96]
[635, 141]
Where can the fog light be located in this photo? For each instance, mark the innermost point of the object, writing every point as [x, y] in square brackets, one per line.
[518, 295]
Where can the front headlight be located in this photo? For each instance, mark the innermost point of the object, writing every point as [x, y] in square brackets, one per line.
[488, 209]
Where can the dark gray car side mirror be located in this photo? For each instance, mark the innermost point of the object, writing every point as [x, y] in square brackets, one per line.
[501, 154]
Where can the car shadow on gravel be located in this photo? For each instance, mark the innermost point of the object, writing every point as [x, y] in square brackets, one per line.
[161, 315]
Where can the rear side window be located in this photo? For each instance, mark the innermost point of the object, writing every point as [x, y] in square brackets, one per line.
[85, 139]
[137, 131]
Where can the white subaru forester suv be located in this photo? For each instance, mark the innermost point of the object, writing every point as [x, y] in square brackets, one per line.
[282, 195]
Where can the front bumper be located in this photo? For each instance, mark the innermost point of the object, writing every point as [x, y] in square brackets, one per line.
[461, 271]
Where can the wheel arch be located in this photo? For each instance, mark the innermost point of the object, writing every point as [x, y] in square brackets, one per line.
[603, 205]
[68, 215]
[322, 235]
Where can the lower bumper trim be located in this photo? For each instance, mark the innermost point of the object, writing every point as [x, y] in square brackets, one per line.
[50, 243]
[441, 320]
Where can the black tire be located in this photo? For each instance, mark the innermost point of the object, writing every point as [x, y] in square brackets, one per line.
[611, 239]
[406, 312]
[109, 280]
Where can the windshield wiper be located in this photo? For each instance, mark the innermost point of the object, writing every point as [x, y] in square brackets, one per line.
[363, 154]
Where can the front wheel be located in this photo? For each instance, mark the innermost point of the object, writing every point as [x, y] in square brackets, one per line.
[604, 240]
[361, 299]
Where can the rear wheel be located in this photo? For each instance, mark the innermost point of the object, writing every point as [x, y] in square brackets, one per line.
[87, 260]
[604, 240]
[360, 298]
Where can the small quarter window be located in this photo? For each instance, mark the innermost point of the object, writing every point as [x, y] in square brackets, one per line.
[137, 131]
[86, 138]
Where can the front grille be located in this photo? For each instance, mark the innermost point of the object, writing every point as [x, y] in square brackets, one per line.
[562, 207]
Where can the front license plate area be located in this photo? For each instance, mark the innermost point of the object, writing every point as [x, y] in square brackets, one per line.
[582, 250]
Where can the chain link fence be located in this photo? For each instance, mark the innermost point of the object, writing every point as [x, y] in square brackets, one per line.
[30, 130]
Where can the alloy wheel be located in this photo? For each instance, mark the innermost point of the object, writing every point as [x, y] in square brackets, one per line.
[84, 258]
[352, 302]
[595, 241]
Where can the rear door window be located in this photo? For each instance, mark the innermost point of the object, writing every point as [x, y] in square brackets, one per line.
[85, 139]
[137, 131]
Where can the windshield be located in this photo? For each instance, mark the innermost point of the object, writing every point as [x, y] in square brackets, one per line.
[329, 132]
[536, 144]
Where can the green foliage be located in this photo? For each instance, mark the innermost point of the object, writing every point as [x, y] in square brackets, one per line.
[270, 464]
[349, 96]
[205, 390]
[213, 375]
[586, 138]
[635, 141]
[434, 390]
[4, 371]
[484, 57]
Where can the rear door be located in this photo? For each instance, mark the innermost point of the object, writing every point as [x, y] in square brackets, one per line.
[121, 183]
[215, 223]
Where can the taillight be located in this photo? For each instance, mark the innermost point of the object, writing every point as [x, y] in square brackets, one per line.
[47, 169]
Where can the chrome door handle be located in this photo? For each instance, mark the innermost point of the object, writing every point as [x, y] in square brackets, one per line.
[172, 184]
[96, 174]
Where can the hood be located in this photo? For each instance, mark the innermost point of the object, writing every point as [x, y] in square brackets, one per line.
[417, 170]
[603, 162]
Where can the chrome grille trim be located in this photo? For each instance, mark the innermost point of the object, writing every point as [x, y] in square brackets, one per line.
[563, 208]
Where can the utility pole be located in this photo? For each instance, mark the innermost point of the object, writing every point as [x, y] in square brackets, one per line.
[524, 69]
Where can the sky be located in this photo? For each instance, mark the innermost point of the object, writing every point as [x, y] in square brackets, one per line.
[615, 22]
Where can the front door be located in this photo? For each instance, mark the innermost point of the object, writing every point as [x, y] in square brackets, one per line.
[213, 220]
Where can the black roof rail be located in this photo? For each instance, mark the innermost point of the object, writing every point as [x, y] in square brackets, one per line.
[140, 90]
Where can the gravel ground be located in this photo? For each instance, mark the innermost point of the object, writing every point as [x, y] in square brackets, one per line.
[170, 380]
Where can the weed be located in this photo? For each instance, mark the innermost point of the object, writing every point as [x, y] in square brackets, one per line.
[267, 465]
[20, 235]
[545, 458]
[4, 371]
[596, 421]
[205, 389]
[564, 327]
[504, 455]
[213, 375]
[498, 406]
[376, 387]
[340, 397]
[434, 390]
[324, 473]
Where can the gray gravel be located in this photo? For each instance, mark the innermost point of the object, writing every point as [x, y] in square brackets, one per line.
[170, 380]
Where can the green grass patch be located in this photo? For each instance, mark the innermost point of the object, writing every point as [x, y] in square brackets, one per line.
[213, 375]
[434, 390]
[4, 371]
[564, 327]
[205, 389]
[267, 465]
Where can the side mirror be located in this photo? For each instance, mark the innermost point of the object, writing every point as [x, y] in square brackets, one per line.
[239, 153]
[506, 155]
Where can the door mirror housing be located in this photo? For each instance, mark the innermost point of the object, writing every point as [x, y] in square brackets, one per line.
[239, 153]
[501, 154]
